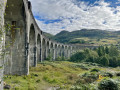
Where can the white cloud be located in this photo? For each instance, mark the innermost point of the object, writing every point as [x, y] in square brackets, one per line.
[76, 15]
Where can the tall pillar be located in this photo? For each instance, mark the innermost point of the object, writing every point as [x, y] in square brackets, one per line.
[35, 56]
[54, 54]
[2, 37]
[41, 55]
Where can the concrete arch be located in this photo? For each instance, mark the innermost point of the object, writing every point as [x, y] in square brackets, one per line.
[69, 51]
[15, 17]
[51, 50]
[29, 44]
[47, 49]
[66, 51]
[62, 51]
[55, 51]
[59, 51]
[32, 47]
[38, 48]
[43, 49]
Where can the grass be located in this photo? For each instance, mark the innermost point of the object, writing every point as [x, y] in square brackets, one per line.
[104, 41]
[59, 74]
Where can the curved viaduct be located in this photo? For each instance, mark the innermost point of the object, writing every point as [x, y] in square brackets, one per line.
[26, 42]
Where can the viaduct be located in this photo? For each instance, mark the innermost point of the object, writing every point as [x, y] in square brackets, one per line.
[26, 42]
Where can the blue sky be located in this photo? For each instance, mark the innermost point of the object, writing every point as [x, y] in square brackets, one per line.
[54, 16]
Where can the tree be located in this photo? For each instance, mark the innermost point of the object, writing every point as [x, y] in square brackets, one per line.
[100, 51]
[78, 57]
[113, 51]
[104, 61]
[106, 50]
[113, 62]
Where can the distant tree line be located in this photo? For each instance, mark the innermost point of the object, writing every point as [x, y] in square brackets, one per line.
[106, 56]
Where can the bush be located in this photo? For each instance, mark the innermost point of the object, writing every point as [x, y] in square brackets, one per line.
[78, 57]
[108, 74]
[38, 81]
[82, 66]
[104, 61]
[59, 58]
[90, 77]
[94, 70]
[108, 84]
[118, 74]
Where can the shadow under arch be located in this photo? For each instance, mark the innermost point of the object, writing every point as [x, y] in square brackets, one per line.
[32, 47]
[56, 51]
[15, 27]
[59, 51]
[43, 49]
[51, 50]
[38, 48]
[62, 51]
[48, 49]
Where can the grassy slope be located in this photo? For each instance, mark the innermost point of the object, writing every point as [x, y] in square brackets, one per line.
[103, 41]
[49, 74]
[106, 37]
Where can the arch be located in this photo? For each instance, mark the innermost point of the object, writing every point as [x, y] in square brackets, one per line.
[63, 53]
[32, 47]
[38, 48]
[51, 50]
[66, 52]
[59, 50]
[55, 52]
[15, 17]
[69, 51]
[43, 49]
[47, 49]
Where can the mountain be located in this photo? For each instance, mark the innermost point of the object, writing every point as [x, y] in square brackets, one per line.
[79, 36]
[48, 35]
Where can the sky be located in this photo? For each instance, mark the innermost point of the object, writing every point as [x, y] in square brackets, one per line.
[54, 16]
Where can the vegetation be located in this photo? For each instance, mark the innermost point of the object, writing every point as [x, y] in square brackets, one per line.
[64, 75]
[106, 56]
[48, 35]
[108, 84]
[85, 36]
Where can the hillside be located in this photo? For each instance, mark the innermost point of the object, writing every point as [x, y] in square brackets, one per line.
[48, 35]
[91, 36]
[63, 75]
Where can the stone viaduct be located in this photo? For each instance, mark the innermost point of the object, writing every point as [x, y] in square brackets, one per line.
[27, 45]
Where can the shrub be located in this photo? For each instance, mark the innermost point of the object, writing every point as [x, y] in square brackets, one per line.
[38, 80]
[108, 74]
[78, 57]
[104, 61]
[118, 74]
[59, 58]
[90, 77]
[94, 70]
[108, 84]
[82, 66]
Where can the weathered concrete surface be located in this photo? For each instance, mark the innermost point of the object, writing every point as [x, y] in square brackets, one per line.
[26, 43]
[2, 39]
[25, 40]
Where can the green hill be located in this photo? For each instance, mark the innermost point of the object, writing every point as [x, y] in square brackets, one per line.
[91, 36]
[48, 35]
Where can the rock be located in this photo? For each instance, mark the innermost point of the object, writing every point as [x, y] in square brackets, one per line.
[7, 86]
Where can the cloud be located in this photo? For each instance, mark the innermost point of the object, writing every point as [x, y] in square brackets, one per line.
[54, 16]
